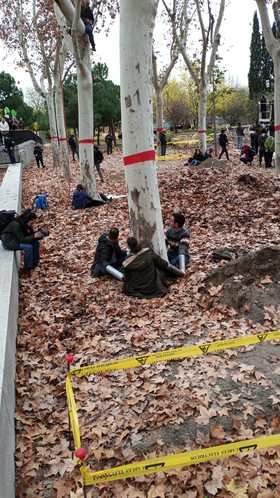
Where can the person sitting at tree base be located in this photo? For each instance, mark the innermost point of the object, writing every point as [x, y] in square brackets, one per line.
[81, 199]
[177, 240]
[108, 253]
[247, 154]
[199, 157]
[20, 236]
[145, 273]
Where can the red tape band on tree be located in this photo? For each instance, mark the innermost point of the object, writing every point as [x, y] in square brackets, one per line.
[201, 131]
[62, 139]
[140, 157]
[54, 138]
[276, 127]
[86, 141]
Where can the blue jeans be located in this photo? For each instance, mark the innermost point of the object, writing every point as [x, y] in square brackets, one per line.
[89, 32]
[239, 142]
[31, 254]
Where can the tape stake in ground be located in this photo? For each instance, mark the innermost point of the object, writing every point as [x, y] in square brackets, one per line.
[139, 157]
[175, 354]
[166, 463]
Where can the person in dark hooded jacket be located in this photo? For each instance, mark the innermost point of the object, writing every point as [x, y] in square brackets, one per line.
[108, 252]
[20, 236]
[145, 273]
[177, 240]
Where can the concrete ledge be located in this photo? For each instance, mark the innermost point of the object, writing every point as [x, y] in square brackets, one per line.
[10, 198]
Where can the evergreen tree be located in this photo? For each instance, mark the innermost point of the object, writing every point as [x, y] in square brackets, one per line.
[267, 69]
[255, 72]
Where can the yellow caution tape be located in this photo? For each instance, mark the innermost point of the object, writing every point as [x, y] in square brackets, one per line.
[72, 411]
[170, 157]
[165, 463]
[175, 354]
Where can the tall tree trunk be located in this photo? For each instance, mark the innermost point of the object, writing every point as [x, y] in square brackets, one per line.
[202, 117]
[63, 148]
[276, 60]
[136, 33]
[53, 128]
[159, 107]
[86, 128]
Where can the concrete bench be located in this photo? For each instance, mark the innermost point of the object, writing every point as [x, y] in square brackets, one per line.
[10, 198]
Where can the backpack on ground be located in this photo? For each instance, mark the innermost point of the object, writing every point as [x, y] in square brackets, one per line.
[5, 218]
[41, 201]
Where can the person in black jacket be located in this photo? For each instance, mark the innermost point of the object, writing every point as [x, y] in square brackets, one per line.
[73, 146]
[38, 153]
[108, 252]
[82, 200]
[20, 236]
[98, 158]
[88, 20]
[145, 273]
[163, 143]
[10, 148]
[223, 142]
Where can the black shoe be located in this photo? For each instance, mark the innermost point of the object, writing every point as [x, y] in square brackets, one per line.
[93, 48]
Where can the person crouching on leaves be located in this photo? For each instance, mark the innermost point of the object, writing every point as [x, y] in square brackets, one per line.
[20, 236]
[82, 200]
[108, 252]
[177, 240]
[145, 273]
[88, 20]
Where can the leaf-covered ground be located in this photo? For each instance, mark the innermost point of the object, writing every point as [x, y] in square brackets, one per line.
[136, 414]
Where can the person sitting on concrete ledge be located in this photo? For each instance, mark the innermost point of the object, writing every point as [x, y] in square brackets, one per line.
[108, 253]
[177, 240]
[81, 199]
[145, 273]
[20, 236]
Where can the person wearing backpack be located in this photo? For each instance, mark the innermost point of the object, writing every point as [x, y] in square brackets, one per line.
[73, 146]
[223, 142]
[19, 235]
[98, 158]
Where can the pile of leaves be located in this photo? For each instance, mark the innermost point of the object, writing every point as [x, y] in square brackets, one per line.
[166, 408]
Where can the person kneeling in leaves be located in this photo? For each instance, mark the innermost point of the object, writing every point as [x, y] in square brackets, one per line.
[81, 199]
[145, 273]
[177, 240]
[20, 236]
[108, 253]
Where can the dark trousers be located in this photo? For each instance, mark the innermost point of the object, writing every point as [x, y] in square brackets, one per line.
[109, 147]
[31, 254]
[74, 153]
[11, 155]
[246, 161]
[39, 161]
[224, 151]
[261, 155]
[162, 149]
[268, 156]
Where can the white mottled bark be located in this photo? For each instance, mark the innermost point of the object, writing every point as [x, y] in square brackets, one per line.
[202, 117]
[273, 46]
[53, 128]
[136, 34]
[81, 52]
[63, 148]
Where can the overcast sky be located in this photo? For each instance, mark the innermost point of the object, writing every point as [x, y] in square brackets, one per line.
[236, 36]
